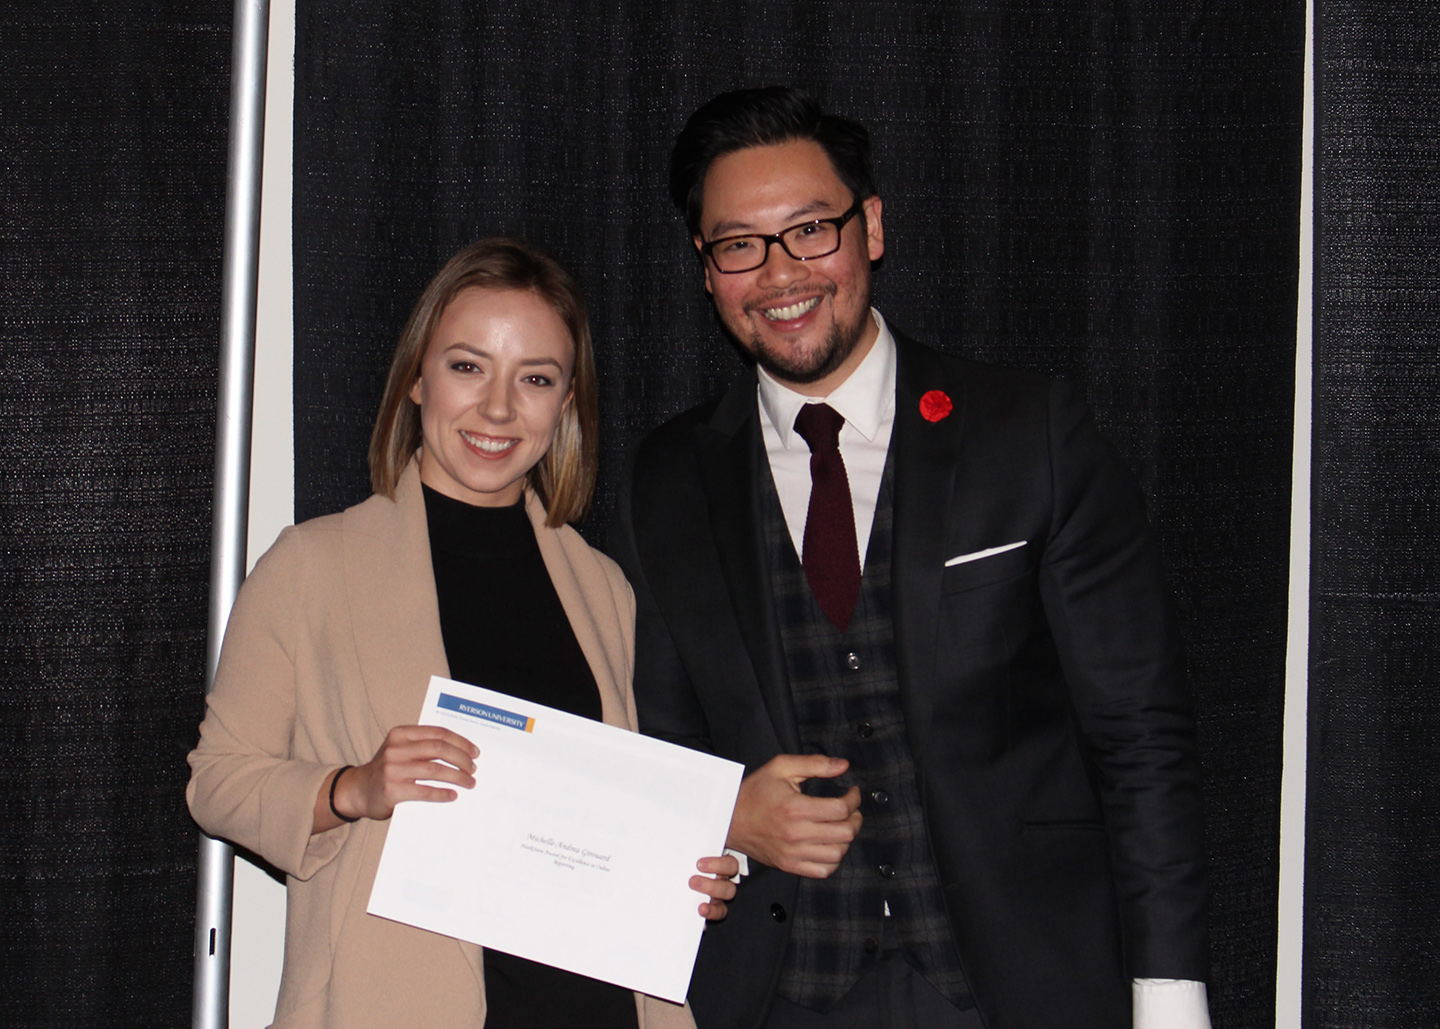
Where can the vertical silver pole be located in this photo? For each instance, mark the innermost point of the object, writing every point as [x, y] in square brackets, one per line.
[211, 1005]
[1290, 941]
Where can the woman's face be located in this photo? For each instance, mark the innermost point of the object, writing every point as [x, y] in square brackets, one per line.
[493, 383]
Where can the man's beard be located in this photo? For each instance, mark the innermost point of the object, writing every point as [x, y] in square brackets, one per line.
[800, 370]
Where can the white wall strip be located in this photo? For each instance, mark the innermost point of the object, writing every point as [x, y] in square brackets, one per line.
[1290, 943]
[258, 920]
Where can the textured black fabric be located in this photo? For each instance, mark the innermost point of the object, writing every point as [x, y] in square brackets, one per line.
[112, 154]
[504, 628]
[846, 691]
[501, 620]
[1372, 878]
[1103, 190]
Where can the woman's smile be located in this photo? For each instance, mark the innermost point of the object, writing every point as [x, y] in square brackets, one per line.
[489, 446]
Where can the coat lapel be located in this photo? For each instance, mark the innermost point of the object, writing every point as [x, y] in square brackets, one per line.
[390, 585]
[926, 455]
[730, 453]
[593, 613]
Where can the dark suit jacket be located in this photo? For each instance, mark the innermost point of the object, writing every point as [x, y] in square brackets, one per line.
[1041, 687]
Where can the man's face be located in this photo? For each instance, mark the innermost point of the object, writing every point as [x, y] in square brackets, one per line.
[806, 322]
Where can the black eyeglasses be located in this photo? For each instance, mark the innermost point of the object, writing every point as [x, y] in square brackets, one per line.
[818, 238]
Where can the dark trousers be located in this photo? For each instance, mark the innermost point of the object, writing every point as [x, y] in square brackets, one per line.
[892, 995]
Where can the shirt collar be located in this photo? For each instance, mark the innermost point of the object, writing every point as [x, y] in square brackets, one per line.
[862, 400]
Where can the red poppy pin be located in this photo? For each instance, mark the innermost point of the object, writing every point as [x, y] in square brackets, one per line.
[935, 405]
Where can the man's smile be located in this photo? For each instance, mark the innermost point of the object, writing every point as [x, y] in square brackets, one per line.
[791, 312]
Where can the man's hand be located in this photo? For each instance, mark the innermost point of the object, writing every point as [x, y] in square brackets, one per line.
[777, 825]
[715, 884]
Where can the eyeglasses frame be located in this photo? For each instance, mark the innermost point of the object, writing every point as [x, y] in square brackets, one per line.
[707, 248]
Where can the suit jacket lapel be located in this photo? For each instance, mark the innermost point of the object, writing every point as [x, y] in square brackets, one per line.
[926, 454]
[731, 454]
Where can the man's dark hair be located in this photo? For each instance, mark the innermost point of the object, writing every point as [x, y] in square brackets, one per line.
[764, 117]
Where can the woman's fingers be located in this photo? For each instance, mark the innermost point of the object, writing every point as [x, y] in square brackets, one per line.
[429, 742]
[400, 776]
[410, 753]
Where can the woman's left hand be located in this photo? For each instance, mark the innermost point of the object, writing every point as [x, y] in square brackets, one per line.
[719, 888]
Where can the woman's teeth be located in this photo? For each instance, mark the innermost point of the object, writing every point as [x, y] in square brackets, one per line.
[485, 443]
[786, 314]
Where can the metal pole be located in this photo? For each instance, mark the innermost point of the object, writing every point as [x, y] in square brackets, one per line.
[211, 1005]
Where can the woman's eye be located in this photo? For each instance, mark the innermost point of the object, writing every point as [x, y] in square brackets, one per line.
[539, 380]
[464, 366]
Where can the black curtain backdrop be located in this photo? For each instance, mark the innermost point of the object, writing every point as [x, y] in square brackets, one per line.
[1103, 190]
[112, 151]
[1372, 877]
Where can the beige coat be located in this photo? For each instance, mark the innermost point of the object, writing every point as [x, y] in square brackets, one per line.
[331, 643]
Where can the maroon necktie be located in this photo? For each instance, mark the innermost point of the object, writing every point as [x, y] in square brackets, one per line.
[831, 558]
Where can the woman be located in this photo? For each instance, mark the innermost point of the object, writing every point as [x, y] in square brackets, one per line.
[461, 565]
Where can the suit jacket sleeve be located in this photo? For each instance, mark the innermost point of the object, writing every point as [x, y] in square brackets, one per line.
[1109, 610]
[665, 699]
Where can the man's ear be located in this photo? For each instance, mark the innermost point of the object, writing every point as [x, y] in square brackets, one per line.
[704, 264]
[874, 230]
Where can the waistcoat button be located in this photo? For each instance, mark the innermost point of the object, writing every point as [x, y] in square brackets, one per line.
[863, 730]
[777, 912]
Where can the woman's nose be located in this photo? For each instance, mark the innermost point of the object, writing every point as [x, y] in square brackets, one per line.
[498, 403]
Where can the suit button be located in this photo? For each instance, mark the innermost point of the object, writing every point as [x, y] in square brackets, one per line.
[880, 797]
[886, 871]
[777, 912]
[863, 730]
[871, 945]
[852, 661]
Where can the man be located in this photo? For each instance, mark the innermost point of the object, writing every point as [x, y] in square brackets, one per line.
[928, 617]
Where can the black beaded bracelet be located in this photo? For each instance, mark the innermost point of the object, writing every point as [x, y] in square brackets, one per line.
[333, 783]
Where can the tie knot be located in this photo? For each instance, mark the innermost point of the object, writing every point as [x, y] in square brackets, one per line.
[819, 426]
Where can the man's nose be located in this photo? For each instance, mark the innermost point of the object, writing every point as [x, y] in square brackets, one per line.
[780, 269]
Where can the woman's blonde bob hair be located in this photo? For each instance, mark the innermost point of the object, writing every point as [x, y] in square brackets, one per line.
[564, 479]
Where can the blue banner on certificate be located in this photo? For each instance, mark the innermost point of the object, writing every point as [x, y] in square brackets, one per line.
[575, 848]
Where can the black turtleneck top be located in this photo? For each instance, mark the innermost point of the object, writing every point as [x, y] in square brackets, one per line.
[504, 629]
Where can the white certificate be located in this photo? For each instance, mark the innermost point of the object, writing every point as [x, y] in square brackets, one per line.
[575, 848]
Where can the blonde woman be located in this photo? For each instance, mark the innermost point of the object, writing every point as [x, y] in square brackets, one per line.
[462, 565]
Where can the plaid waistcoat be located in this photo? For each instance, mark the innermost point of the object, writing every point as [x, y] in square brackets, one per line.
[847, 704]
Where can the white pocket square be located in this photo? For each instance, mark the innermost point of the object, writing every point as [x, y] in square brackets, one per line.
[966, 558]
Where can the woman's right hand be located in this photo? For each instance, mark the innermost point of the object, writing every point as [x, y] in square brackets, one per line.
[409, 753]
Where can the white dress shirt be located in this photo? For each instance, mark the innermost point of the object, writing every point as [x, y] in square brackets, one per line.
[866, 400]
